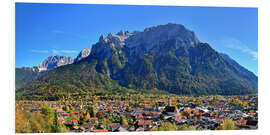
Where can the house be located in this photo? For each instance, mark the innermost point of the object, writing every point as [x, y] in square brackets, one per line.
[123, 129]
[64, 114]
[77, 129]
[35, 109]
[178, 118]
[132, 128]
[139, 116]
[75, 122]
[252, 123]
[155, 114]
[75, 112]
[61, 120]
[171, 111]
[113, 127]
[99, 130]
[139, 129]
[146, 124]
[89, 126]
[82, 128]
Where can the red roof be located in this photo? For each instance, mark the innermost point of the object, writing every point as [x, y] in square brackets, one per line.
[75, 121]
[146, 117]
[139, 116]
[114, 124]
[177, 118]
[65, 114]
[144, 122]
[61, 120]
[99, 130]
[75, 112]
[94, 118]
[219, 117]
[82, 128]
[241, 121]
[154, 113]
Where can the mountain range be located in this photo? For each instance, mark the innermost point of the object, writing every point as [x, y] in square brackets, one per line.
[166, 57]
[26, 75]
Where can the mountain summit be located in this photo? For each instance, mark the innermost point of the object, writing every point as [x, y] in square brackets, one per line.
[84, 53]
[140, 43]
[166, 57]
[54, 61]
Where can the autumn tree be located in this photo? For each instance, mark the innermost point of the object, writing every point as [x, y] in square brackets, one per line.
[21, 121]
[187, 127]
[27, 122]
[228, 124]
[166, 126]
[185, 113]
[100, 115]
[123, 120]
[128, 109]
[87, 117]
[46, 110]
[110, 110]
[66, 108]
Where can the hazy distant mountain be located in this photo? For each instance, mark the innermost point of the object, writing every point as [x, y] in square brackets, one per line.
[167, 57]
[25, 75]
[54, 61]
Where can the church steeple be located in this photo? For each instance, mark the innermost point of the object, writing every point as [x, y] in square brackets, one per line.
[169, 102]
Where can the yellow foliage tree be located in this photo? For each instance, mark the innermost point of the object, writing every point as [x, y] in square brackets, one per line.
[187, 127]
[87, 117]
[228, 124]
[166, 126]
[20, 121]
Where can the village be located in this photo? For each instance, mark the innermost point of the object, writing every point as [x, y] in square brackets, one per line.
[150, 112]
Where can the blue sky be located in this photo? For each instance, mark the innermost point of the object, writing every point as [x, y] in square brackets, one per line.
[65, 29]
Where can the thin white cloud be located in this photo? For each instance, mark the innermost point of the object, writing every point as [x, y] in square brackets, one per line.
[54, 51]
[40, 51]
[58, 31]
[76, 35]
[235, 44]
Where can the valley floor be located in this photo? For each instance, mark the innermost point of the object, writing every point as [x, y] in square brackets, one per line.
[137, 112]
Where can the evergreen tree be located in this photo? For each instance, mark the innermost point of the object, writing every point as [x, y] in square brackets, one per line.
[56, 127]
[92, 111]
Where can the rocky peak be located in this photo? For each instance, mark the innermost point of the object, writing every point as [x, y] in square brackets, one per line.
[166, 32]
[101, 38]
[106, 44]
[54, 61]
[141, 42]
[84, 53]
[159, 35]
[124, 33]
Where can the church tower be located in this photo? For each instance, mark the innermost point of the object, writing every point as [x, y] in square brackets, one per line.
[169, 102]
